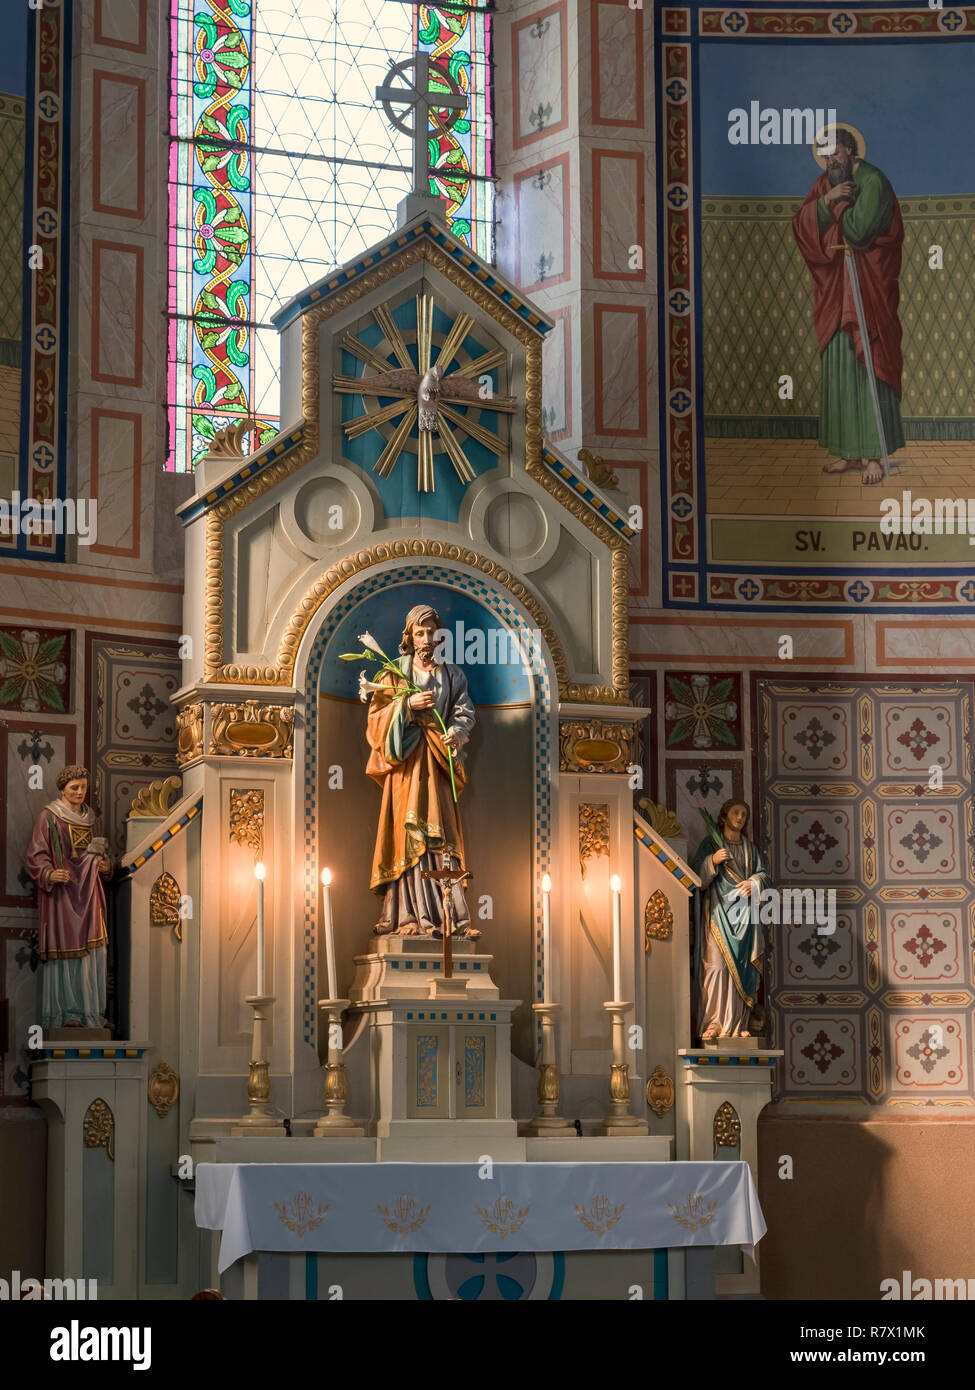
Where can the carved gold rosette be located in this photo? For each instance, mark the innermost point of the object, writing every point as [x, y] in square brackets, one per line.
[660, 1092]
[593, 832]
[98, 1128]
[163, 1089]
[217, 669]
[658, 918]
[247, 818]
[597, 745]
[251, 730]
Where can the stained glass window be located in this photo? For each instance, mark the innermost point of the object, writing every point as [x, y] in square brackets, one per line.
[283, 165]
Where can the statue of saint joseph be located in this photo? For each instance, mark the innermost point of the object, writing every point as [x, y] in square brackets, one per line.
[419, 823]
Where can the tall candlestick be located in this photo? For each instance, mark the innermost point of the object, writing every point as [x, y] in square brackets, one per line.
[546, 940]
[259, 873]
[616, 884]
[329, 938]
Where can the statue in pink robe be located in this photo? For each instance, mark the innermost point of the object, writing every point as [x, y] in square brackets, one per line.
[68, 864]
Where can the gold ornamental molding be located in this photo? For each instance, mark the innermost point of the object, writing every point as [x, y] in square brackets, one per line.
[252, 730]
[216, 670]
[189, 736]
[593, 832]
[596, 745]
[660, 1092]
[153, 801]
[163, 1089]
[247, 819]
[658, 918]
[98, 1128]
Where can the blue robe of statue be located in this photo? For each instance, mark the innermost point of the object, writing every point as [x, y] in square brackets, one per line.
[729, 944]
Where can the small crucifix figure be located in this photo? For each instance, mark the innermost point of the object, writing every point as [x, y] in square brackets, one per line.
[448, 879]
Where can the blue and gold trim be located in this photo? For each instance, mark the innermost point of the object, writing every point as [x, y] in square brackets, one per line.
[670, 861]
[561, 470]
[430, 229]
[167, 836]
[273, 452]
[52, 1052]
[742, 1059]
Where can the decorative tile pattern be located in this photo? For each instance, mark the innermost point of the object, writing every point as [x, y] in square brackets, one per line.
[694, 786]
[35, 669]
[32, 753]
[861, 1010]
[131, 722]
[702, 710]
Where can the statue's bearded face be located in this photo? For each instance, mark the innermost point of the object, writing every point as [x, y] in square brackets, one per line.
[424, 636]
[76, 792]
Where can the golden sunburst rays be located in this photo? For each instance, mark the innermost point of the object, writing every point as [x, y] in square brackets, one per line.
[394, 337]
[478, 432]
[394, 445]
[459, 330]
[424, 330]
[399, 379]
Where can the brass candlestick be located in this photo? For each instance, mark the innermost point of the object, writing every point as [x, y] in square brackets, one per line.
[260, 1119]
[619, 1121]
[548, 1123]
[335, 1123]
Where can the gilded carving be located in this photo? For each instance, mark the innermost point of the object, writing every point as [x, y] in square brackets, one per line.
[189, 735]
[252, 730]
[98, 1128]
[660, 819]
[153, 800]
[247, 819]
[228, 443]
[597, 471]
[619, 1081]
[281, 673]
[596, 745]
[593, 833]
[727, 1127]
[658, 918]
[163, 1089]
[660, 1092]
[164, 905]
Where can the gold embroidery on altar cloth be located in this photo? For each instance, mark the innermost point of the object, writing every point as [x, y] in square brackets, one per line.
[302, 1213]
[600, 1216]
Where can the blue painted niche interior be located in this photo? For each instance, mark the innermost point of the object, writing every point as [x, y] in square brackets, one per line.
[382, 614]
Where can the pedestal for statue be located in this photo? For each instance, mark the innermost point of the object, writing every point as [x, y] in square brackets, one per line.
[440, 1051]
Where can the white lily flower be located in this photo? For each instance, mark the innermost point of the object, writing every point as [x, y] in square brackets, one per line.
[366, 687]
[367, 640]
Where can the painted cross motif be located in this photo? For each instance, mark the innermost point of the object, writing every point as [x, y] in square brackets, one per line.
[927, 1051]
[921, 841]
[816, 841]
[918, 739]
[924, 945]
[814, 738]
[822, 1052]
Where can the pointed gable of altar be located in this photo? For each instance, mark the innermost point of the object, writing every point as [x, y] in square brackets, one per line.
[355, 479]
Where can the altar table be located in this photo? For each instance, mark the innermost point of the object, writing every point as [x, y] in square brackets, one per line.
[383, 1208]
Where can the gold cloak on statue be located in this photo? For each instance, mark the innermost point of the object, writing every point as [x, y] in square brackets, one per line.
[408, 759]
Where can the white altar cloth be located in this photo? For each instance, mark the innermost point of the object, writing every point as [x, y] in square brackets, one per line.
[448, 1208]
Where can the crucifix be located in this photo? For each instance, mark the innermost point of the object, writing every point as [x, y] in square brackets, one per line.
[447, 880]
[426, 104]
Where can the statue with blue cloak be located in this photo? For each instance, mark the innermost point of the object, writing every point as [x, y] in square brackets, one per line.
[729, 937]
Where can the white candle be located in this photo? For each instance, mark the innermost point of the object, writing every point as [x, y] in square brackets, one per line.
[259, 873]
[329, 937]
[546, 940]
[616, 884]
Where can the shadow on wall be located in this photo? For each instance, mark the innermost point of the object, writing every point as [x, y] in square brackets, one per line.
[869, 1199]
